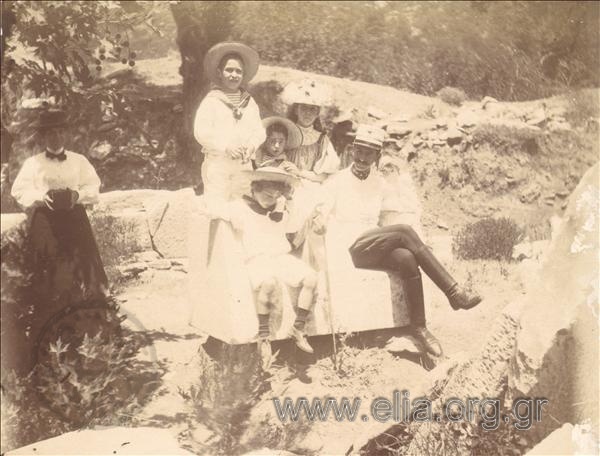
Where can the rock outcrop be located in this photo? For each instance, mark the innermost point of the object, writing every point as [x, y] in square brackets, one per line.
[556, 352]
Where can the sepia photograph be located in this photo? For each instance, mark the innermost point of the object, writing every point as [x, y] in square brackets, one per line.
[294, 228]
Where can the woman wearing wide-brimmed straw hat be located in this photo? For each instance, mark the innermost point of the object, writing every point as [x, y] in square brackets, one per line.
[227, 122]
[315, 157]
[229, 129]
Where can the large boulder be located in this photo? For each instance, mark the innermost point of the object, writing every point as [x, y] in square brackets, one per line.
[556, 353]
[159, 217]
[167, 223]
[130, 207]
[568, 439]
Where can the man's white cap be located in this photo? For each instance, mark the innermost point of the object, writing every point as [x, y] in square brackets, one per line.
[369, 136]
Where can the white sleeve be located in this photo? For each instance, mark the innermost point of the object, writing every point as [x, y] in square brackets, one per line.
[89, 182]
[295, 218]
[327, 196]
[329, 163]
[207, 131]
[232, 211]
[401, 197]
[25, 189]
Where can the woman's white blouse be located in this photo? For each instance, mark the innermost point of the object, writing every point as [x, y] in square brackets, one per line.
[40, 174]
[216, 129]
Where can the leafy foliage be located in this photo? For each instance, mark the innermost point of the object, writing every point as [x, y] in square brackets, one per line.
[58, 54]
[488, 238]
[68, 44]
[517, 50]
[450, 438]
[97, 381]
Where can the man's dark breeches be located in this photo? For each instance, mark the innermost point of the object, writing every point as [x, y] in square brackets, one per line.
[389, 248]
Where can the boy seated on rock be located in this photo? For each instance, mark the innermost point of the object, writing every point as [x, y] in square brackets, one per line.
[263, 219]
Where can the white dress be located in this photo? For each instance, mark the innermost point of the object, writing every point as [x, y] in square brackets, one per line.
[217, 129]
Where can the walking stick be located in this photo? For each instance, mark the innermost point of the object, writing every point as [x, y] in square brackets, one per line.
[328, 299]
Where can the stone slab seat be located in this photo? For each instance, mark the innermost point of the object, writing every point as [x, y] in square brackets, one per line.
[223, 302]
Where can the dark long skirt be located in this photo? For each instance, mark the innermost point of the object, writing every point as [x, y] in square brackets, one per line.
[65, 271]
[64, 257]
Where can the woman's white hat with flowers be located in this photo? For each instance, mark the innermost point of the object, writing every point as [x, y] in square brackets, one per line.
[307, 91]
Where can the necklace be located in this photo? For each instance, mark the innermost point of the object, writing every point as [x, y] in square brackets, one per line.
[362, 175]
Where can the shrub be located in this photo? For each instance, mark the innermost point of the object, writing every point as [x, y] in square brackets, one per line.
[581, 106]
[487, 239]
[452, 96]
[508, 140]
[117, 240]
[92, 380]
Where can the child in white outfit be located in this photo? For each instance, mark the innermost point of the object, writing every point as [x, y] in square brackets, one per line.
[263, 219]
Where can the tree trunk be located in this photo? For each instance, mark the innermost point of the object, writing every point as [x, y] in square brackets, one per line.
[200, 25]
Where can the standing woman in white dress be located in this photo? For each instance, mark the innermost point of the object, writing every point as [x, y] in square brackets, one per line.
[229, 129]
[227, 123]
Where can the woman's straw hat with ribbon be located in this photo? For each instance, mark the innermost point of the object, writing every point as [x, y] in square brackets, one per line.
[271, 174]
[294, 135]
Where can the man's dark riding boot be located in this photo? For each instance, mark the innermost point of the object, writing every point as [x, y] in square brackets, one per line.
[458, 297]
[413, 291]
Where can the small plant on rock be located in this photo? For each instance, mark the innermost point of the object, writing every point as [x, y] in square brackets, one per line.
[508, 140]
[117, 241]
[488, 239]
[452, 96]
[581, 107]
